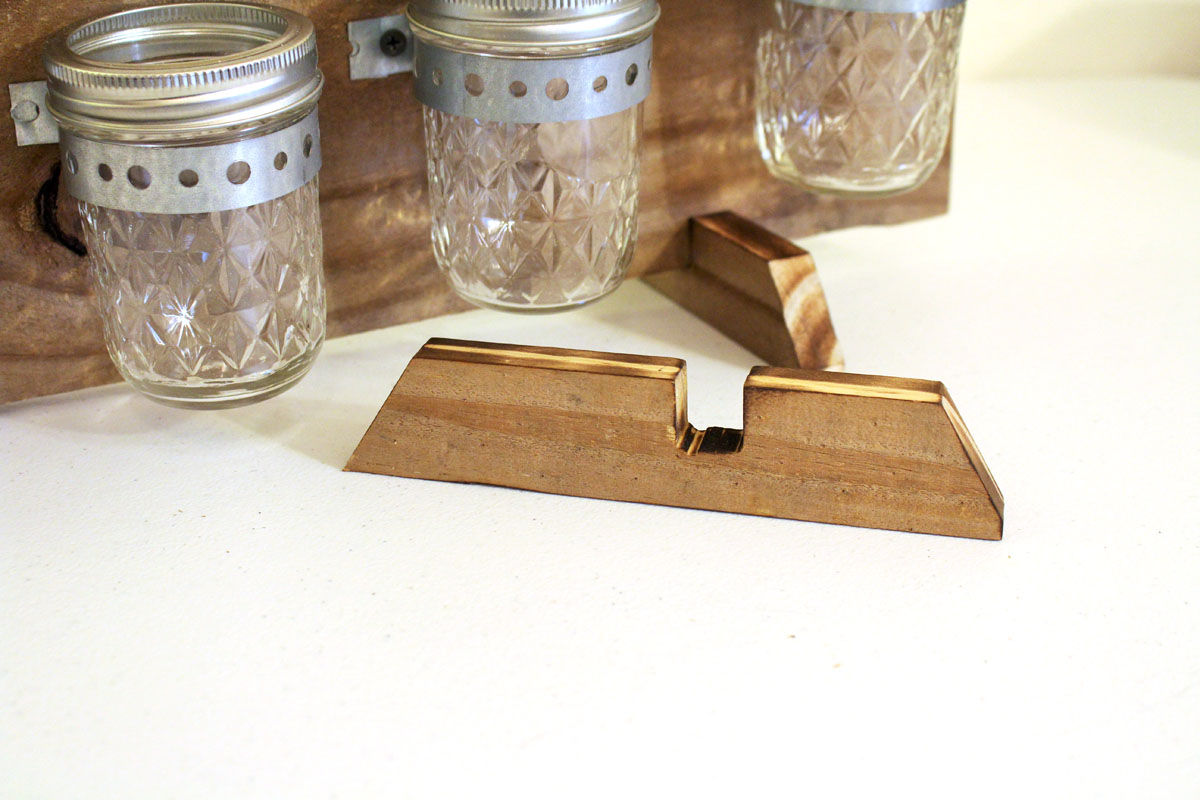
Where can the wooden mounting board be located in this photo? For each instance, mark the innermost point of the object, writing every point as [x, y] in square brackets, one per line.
[826, 447]
[699, 155]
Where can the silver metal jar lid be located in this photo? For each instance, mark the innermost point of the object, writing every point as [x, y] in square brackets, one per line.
[183, 72]
[532, 61]
[534, 23]
[186, 108]
[883, 6]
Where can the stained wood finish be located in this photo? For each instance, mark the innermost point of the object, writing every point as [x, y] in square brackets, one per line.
[757, 288]
[827, 447]
[699, 156]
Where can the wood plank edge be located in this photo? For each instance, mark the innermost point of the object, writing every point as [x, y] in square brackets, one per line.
[848, 384]
[369, 468]
[533, 356]
[781, 353]
[975, 457]
[750, 236]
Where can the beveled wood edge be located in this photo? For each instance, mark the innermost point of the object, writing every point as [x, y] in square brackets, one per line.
[974, 455]
[845, 383]
[754, 238]
[554, 358]
[913, 390]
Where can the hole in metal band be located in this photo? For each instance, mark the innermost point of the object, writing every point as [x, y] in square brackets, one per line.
[139, 177]
[238, 172]
[557, 89]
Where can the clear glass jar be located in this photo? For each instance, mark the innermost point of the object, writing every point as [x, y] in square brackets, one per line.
[533, 140]
[194, 158]
[214, 309]
[534, 216]
[856, 102]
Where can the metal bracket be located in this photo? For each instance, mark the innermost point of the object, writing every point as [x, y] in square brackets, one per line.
[31, 119]
[380, 47]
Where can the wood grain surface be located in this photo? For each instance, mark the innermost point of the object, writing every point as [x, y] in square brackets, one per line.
[757, 288]
[846, 449]
[699, 156]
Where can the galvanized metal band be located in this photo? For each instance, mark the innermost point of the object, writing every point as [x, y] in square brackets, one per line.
[883, 6]
[192, 180]
[502, 89]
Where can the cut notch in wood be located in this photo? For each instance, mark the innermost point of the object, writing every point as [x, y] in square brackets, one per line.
[846, 449]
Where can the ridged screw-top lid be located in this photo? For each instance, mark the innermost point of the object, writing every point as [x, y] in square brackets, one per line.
[184, 70]
[883, 6]
[535, 23]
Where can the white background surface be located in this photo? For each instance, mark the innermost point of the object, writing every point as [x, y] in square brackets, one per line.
[1080, 38]
[203, 605]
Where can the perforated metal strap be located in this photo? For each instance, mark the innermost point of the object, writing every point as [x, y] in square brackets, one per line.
[532, 90]
[192, 180]
[883, 6]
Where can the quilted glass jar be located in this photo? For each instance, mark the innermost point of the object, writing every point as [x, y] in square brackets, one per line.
[854, 97]
[533, 130]
[189, 138]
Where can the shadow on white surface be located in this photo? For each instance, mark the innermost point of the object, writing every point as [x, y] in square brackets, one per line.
[319, 429]
[113, 410]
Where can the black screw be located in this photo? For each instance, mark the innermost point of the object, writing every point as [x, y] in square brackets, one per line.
[393, 43]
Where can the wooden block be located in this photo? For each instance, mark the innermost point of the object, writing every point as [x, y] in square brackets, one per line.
[699, 154]
[757, 288]
[826, 447]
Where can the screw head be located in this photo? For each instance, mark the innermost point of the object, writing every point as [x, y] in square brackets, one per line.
[393, 42]
[25, 111]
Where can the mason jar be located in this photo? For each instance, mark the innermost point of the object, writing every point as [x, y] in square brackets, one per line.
[854, 97]
[189, 138]
[533, 124]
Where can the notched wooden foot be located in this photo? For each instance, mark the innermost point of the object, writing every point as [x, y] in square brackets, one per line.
[826, 447]
[758, 289]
